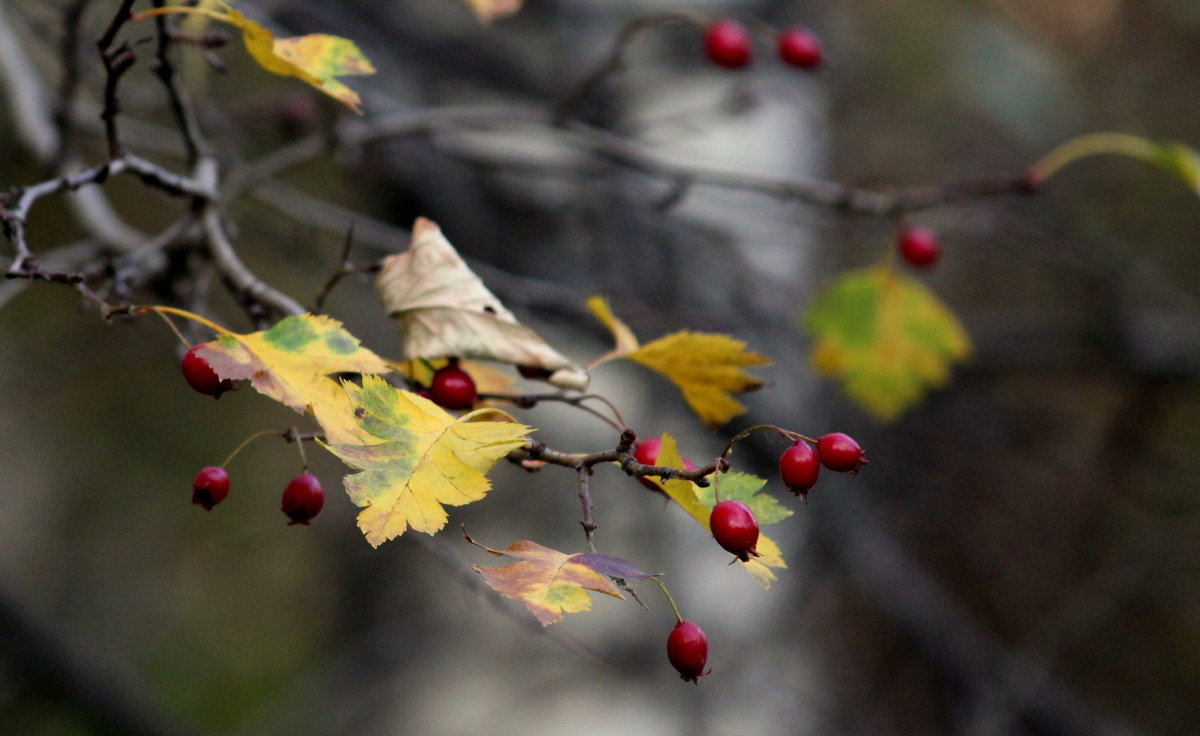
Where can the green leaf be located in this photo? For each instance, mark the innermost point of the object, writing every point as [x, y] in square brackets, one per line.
[886, 337]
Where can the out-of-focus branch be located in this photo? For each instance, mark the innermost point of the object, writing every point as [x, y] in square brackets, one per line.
[26, 102]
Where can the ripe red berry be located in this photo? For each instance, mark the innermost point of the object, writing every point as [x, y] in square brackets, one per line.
[734, 527]
[210, 487]
[840, 453]
[799, 468]
[453, 388]
[303, 498]
[919, 246]
[800, 47]
[687, 648]
[728, 44]
[200, 375]
[646, 453]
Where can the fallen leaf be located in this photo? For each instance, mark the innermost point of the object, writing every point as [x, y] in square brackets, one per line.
[444, 310]
[886, 337]
[422, 459]
[550, 583]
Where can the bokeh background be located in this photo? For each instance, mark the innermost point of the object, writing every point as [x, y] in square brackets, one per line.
[1021, 556]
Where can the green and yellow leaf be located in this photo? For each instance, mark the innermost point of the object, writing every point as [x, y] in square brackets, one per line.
[550, 583]
[698, 503]
[292, 363]
[421, 460]
[886, 337]
[318, 59]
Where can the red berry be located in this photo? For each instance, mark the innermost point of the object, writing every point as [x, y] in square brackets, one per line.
[840, 453]
[687, 648]
[727, 44]
[200, 375]
[919, 246]
[800, 47]
[210, 487]
[303, 498]
[646, 453]
[799, 468]
[735, 528]
[453, 388]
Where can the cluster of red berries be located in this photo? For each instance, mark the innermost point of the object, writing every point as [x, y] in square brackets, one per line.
[801, 463]
[302, 499]
[729, 44]
[918, 246]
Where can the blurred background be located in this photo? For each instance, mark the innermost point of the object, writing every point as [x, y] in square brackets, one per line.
[1021, 555]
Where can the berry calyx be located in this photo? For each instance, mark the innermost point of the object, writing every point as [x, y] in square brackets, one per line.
[728, 44]
[210, 487]
[200, 375]
[687, 648]
[646, 453]
[800, 47]
[303, 498]
[799, 467]
[840, 453]
[734, 527]
[919, 246]
[453, 388]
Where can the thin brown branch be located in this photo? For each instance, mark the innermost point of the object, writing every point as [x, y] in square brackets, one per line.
[181, 108]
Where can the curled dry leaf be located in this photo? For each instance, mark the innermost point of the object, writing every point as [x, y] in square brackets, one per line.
[444, 310]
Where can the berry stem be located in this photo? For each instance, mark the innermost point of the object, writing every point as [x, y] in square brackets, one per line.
[247, 441]
[293, 435]
[663, 586]
[174, 329]
[722, 459]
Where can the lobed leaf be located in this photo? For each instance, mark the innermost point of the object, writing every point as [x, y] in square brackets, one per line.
[707, 368]
[886, 337]
[420, 459]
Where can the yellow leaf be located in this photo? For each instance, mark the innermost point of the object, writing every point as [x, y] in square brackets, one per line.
[707, 368]
[489, 10]
[317, 59]
[886, 337]
[687, 495]
[625, 341]
[549, 583]
[422, 458]
[292, 363]
[444, 310]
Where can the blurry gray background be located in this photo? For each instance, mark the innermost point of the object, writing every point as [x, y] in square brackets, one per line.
[1021, 555]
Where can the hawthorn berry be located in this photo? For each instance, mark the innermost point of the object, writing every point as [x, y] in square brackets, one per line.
[646, 453]
[453, 388]
[840, 453]
[800, 47]
[200, 375]
[210, 487]
[919, 246]
[728, 44]
[687, 648]
[799, 467]
[734, 527]
[303, 498]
